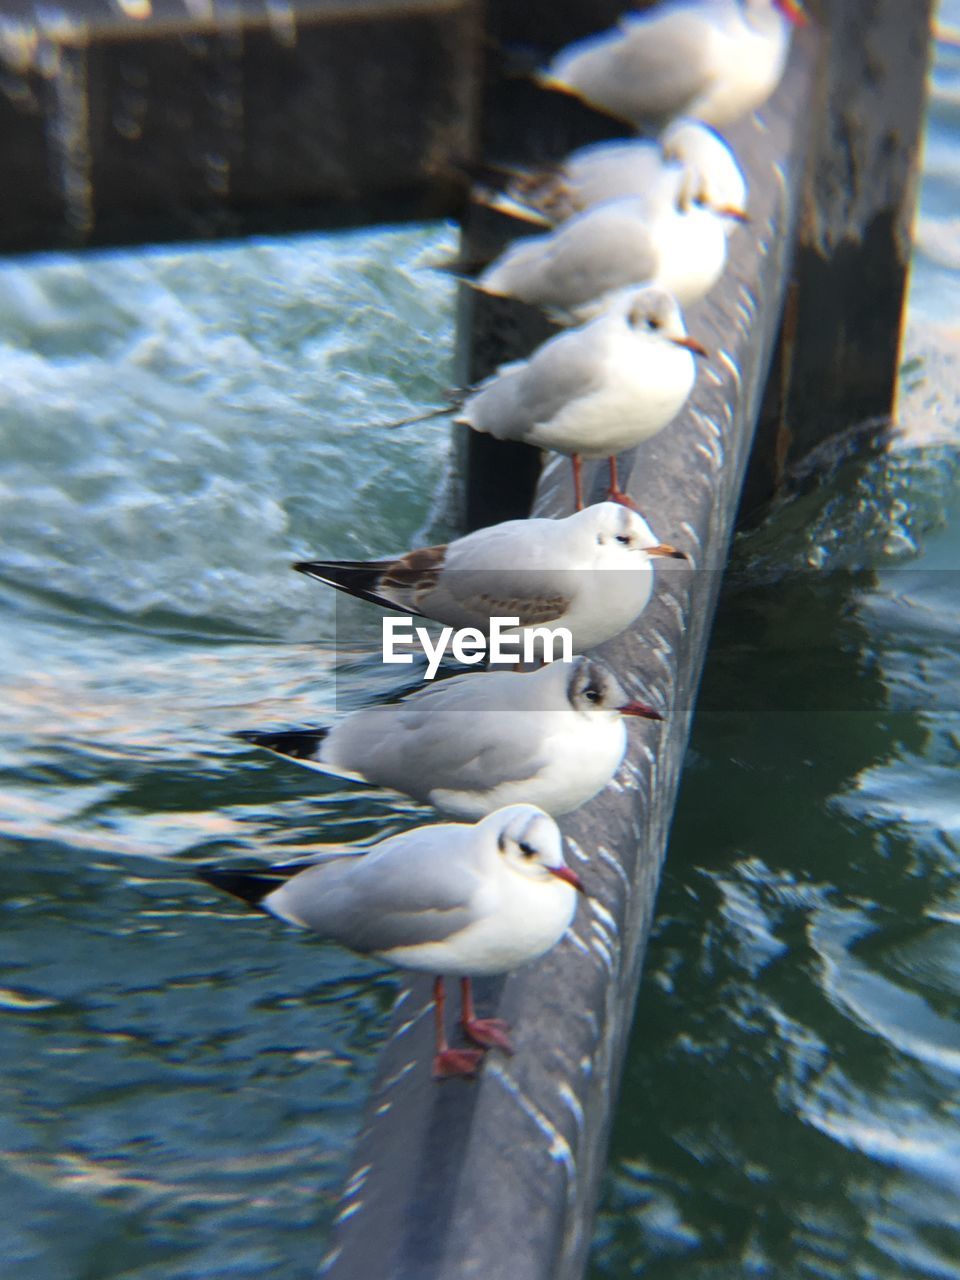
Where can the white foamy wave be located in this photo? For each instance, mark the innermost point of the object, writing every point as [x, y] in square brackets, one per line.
[176, 427]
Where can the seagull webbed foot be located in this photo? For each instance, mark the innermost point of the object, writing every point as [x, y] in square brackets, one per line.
[456, 1062]
[490, 1033]
[624, 499]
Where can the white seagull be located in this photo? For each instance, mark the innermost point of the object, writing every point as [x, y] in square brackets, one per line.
[597, 390]
[471, 744]
[451, 899]
[642, 169]
[676, 243]
[714, 60]
[591, 572]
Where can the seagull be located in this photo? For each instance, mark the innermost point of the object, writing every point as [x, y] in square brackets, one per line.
[639, 168]
[675, 243]
[714, 60]
[591, 572]
[596, 390]
[451, 899]
[473, 743]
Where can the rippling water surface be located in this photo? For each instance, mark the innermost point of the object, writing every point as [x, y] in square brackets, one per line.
[180, 1087]
[180, 1084]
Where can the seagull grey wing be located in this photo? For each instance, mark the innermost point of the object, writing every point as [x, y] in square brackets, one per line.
[603, 248]
[661, 66]
[475, 595]
[523, 395]
[464, 733]
[533, 606]
[598, 250]
[612, 170]
[378, 903]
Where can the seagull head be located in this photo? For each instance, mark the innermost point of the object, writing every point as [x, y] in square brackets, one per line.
[617, 530]
[709, 170]
[655, 316]
[593, 690]
[530, 844]
[694, 196]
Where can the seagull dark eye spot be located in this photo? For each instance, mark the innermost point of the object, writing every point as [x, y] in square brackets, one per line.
[624, 538]
[527, 850]
[653, 323]
[592, 694]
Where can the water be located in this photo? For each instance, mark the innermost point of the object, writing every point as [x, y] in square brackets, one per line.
[181, 1084]
[180, 1087]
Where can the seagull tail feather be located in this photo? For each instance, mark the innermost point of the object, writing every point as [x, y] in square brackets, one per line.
[359, 578]
[298, 744]
[245, 885]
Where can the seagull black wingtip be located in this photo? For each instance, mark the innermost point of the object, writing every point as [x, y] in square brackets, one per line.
[297, 744]
[249, 888]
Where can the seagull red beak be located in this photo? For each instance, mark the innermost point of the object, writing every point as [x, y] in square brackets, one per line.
[793, 11]
[665, 549]
[571, 877]
[639, 709]
[691, 344]
[731, 211]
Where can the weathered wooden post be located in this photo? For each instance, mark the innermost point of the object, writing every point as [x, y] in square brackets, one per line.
[837, 359]
[163, 120]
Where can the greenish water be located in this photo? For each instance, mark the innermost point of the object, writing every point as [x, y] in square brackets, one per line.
[179, 1084]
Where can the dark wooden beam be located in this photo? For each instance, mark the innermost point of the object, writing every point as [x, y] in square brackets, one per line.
[837, 361]
[151, 120]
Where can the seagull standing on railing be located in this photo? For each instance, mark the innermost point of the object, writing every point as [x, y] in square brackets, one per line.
[450, 899]
[597, 390]
[714, 60]
[676, 243]
[643, 169]
[590, 572]
[471, 744]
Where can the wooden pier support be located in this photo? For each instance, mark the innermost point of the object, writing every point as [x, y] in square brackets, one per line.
[145, 120]
[837, 361]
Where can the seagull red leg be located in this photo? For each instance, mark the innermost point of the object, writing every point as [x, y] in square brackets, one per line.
[491, 1033]
[615, 493]
[577, 481]
[450, 1062]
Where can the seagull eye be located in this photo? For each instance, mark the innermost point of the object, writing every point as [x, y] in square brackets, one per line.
[527, 850]
[653, 323]
[624, 538]
[591, 694]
